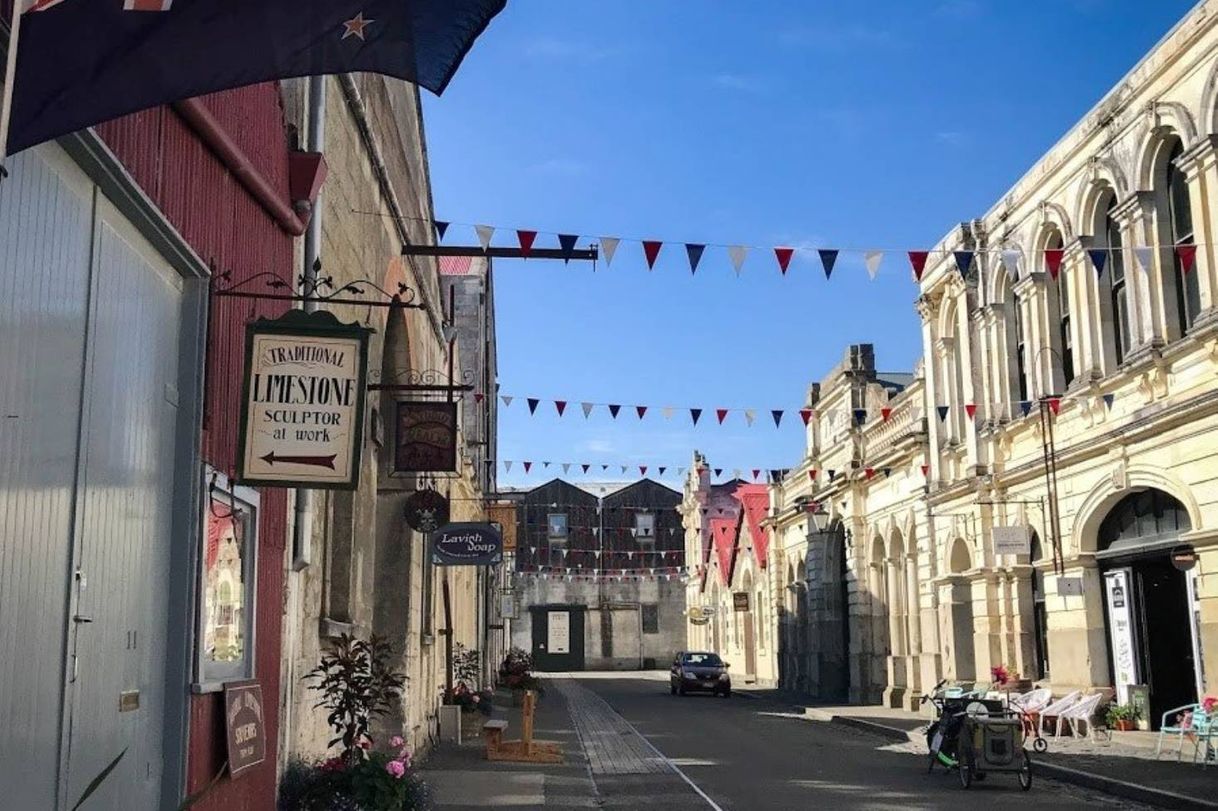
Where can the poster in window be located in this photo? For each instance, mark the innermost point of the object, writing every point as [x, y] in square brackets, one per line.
[1121, 632]
[225, 567]
[426, 437]
[556, 526]
[558, 634]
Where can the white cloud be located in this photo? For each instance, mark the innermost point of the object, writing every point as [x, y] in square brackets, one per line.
[596, 446]
[952, 137]
[566, 50]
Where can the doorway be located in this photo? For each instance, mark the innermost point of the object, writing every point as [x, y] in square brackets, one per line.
[1148, 608]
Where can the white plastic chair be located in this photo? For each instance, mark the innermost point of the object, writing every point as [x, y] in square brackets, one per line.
[1079, 712]
[1055, 709]
[1033, 701]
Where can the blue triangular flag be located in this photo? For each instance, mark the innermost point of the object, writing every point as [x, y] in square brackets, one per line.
[860, 416]
[694, 252]
[942, 412]
[566, 242]
[1098, 257]
[694, 414]
[441, 230]
[1025, 406]
[777, 415]
[964, 260]
[828, 257]
[1109, 399]
[832, 474]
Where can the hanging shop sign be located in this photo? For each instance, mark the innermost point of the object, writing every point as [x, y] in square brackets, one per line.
[1012, 541]
[1184, 558]
[504, 516]
[244, 726]
[466, 545]
[426, 437]
[740, 600]
[1121, 632]
[697, 616]
[426, 510]
[303, 416]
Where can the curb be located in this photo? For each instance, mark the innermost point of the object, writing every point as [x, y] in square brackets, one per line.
[1108, 785]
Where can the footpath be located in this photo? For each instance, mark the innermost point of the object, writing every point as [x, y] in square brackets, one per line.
[1119, 763]
[608, 764]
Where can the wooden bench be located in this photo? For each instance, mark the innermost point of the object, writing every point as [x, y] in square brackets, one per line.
[525, 750]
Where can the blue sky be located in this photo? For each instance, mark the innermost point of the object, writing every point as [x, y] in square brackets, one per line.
[865, 124]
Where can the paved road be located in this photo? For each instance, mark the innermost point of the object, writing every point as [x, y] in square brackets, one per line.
[747, 754]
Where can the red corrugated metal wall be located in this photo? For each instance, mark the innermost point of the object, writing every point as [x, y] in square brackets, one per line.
[228, 229]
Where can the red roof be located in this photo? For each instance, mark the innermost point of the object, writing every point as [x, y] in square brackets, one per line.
[723, 539]
[756, 501]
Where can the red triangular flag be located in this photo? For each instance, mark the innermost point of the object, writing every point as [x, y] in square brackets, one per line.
[642, 470]
[721, 413]
[526, 241]
[885, 413]
[756, 473]
[1188, 255]
[869, 471]
[651, 249]
[812, 473]
[784, 258]
[560, 406]
[970, 409]
[918, 260]
[641, 410]
[478, 397]
[925, 469]
[1053, 261]
[805, 414]
[527, 465]
[1055, 403]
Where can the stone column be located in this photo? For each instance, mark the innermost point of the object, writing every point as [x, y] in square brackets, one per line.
[1075, 269]
[1034, 303]
[1135, 217]
[928, 308]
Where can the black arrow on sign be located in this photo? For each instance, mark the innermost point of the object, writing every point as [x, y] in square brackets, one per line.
[319, 461]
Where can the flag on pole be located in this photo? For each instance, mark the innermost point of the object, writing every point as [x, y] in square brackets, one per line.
[82, 62]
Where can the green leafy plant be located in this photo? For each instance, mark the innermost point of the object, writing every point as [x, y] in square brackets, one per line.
[1120, 712]
[357, 682]
[467, 666]
[381, 781]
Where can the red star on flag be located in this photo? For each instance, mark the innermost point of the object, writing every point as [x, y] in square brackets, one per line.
[355, 26]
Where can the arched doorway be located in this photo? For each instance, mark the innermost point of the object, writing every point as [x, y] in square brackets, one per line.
[833, 637]
[1149, 602]
[956, 614]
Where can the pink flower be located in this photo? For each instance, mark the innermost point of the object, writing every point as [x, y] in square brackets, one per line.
[1209, 704]
[366, 743]
[396, 768]
[334, 764]
[396, 741]
[999, 674]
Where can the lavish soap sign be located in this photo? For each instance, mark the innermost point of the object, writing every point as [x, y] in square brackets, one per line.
[466, 544]
[426, 437]
[304, 401]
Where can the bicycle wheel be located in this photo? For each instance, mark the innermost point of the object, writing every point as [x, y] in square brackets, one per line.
[1025, 772]
[1040, 744]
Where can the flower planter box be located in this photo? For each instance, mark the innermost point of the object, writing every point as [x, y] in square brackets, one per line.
[1125, 725]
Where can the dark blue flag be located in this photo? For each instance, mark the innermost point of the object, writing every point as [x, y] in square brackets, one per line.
[81, 62]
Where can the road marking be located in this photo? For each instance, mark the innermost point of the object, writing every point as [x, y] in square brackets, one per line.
[672, 765]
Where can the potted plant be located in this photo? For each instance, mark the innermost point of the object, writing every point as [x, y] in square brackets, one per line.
[357, 683]
[1121, 717]
[515, 674]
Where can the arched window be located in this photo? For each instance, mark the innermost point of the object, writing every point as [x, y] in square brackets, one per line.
[1065, 343]
[1122, 336]
[1021, 348]
[1180, 225]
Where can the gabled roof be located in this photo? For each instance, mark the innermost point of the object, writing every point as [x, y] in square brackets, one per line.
[756, 501]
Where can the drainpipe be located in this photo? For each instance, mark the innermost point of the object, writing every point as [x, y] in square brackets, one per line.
[315, 135]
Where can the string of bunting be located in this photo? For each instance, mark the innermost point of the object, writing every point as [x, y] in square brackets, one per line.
[591, 469]
[860, 416]
[872, 258]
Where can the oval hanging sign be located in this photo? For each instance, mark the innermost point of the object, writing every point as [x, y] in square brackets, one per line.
[426, 510]
[1184, 558]
[466, 545]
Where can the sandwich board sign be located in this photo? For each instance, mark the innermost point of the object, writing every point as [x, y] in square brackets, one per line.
[302, 418]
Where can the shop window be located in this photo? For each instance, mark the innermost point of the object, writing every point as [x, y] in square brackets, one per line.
[651, 618]
[1021, 348]
[228, 577]
[556, 527]
[1122, 337]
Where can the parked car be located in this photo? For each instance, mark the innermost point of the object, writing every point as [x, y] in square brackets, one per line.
[699, 671]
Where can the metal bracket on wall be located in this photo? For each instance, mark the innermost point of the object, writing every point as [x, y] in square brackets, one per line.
[320, 290]
[422, 380]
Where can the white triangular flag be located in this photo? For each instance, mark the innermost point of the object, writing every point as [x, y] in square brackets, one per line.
[507, 467]
[737, 254]
[736, 473]
[872, 260]
[507, 399]
[587, 407]
[608, 246]
[565, 467]
[915, 413]
[623, 469]
[597, 531]
[680, 471]
[749, 416]
[485, 232]
[634, 531]
[1010, 260]
[630, 555]
[1145, 257]
[667, 411]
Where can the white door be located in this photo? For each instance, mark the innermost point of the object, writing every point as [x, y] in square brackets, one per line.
[92, 341]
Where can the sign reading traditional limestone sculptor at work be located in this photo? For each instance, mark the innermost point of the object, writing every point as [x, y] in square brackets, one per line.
[302, 421]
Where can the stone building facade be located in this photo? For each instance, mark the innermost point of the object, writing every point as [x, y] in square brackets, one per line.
[607, 568]
[1039, 494]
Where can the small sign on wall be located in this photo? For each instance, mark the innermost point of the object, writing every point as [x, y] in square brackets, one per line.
[558, 635]
[244, 726]
[1012, 541]
[1070, 586]
[740, 600]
